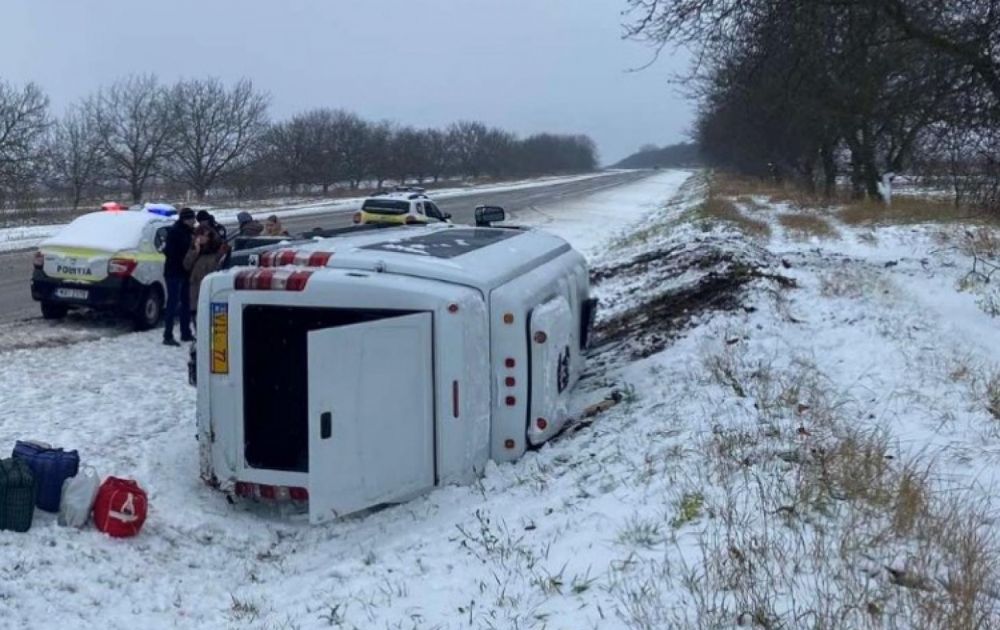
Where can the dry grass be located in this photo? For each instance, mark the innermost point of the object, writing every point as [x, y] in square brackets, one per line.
[803, 226]
[903, 551]
[746, 189]
[717, 208]
[751, 203]
[980, 242]
[904, 210]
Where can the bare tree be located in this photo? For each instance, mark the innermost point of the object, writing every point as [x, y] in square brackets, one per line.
[409, 154]
[24, 120]
[287, 153]
[75, 154]
[378, 158]
[352, 136]
[135, 120]
[440, 157]
[468, 143]
[215, 129]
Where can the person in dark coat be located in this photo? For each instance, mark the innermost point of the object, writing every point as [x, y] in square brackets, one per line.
[205, 218]
[178, 280]
[248, 226]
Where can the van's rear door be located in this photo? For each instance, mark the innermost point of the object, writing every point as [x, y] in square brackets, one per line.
[552, 342]
[371, 414]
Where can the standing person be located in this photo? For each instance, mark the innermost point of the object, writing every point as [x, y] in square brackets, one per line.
[204, 218]
[248, 227]
[273, 227]
[178, 285]
[202, 259]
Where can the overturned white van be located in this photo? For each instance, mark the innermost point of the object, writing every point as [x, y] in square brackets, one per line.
[362, 370]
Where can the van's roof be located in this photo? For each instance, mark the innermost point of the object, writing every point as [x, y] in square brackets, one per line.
[107, 230]
[480, 257]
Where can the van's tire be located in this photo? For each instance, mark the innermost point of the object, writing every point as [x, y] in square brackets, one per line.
[54, 310]
[149, 310]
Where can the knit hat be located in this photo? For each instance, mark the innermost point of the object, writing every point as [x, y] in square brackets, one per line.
[203, 215]
[243, 217]
[186, 214]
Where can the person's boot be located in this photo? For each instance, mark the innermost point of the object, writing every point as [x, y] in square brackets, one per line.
[187, 337]
[170, 341]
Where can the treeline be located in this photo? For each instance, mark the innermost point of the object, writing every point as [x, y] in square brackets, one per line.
[824, 91]
[203, 137]
[671, 156]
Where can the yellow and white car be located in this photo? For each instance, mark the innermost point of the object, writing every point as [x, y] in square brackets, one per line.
[107, 260]
[403, 206]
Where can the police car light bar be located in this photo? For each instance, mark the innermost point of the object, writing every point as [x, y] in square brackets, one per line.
[162, 209]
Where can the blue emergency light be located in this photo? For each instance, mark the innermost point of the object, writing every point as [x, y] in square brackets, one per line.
[162, 209]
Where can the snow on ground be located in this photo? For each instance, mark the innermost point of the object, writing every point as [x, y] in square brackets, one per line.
[25, 236]
[771, 387]
[16, 238]
[592, 221]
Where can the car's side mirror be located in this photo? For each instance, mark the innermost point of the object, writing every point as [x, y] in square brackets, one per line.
[485, 215]
[446, 216]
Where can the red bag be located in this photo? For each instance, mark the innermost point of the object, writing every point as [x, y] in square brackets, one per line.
[120, 507]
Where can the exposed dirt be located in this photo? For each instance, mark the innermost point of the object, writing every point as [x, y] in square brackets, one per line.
[672, 287]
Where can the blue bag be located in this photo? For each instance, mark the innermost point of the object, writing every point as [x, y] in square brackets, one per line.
[50, 467]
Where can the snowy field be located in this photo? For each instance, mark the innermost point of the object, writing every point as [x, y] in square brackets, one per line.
[26, 237]
[808, 437]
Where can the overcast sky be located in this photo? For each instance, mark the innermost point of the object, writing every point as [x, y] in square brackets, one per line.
[525, 65]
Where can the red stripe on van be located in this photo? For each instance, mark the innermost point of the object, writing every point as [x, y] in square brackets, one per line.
[271, 280]
[287, 257]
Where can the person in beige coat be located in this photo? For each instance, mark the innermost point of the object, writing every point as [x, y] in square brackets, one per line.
[207, 250]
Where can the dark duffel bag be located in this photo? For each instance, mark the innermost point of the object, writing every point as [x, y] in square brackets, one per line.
[51, 468]
[17, 495]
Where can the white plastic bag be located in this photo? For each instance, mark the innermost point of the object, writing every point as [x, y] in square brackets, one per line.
[78, 494]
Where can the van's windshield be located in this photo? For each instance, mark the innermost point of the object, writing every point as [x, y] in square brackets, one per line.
[386, 206]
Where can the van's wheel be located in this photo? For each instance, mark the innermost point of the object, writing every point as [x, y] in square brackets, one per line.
[54, 310]
[150, 309]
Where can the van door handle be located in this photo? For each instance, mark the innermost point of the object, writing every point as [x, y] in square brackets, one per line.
[325, 425]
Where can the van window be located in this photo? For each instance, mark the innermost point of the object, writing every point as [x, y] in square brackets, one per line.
[386, 206]
[433, 212]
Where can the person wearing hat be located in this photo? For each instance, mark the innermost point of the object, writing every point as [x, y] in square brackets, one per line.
[177, 244]
[204, 218]
[248, 227]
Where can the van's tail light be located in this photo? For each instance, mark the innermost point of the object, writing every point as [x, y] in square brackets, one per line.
[39, 260]
[249, 490]
[121, 267]
[356, 218]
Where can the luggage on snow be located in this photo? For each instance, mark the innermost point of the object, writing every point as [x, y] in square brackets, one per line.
[17, 495]
[50, 467]
[120, 507]
[78, 497]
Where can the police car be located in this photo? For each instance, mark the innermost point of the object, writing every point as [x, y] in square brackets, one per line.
[109, 260]
[403, 206]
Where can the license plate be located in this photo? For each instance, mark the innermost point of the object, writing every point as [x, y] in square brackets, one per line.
[73, 294]
[220, 338]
